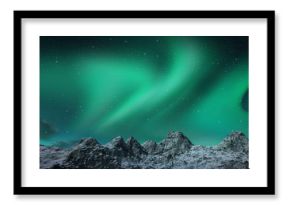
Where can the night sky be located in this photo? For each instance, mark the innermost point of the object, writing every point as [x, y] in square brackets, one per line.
[143, 86]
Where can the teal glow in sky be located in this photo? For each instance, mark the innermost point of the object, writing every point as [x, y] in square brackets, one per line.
[144, 87]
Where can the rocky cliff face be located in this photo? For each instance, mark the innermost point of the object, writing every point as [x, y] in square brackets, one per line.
[174, 152]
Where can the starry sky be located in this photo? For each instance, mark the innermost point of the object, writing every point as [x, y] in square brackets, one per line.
[143, 86]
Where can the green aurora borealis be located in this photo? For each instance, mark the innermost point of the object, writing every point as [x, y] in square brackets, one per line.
[143, 86]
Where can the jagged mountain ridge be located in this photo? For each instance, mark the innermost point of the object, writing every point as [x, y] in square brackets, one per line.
[174, 152]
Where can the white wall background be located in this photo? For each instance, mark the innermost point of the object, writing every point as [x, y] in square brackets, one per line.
[282, 98]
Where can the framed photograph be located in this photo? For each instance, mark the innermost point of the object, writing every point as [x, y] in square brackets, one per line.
[144, 102]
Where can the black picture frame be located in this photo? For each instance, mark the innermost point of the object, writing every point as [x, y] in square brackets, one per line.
[268, 190]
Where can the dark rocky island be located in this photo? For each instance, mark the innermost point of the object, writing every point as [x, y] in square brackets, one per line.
[174, 152]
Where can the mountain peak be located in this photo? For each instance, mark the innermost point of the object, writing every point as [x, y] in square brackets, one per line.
[90, 141]
[177, 134]
[236, 141]
[150, 146]
[135, 147]
[175, 143]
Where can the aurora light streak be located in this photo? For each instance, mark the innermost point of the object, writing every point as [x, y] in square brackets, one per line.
[143, 87]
